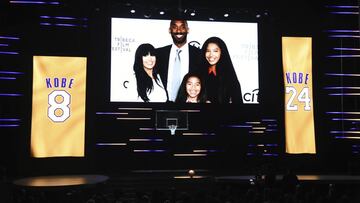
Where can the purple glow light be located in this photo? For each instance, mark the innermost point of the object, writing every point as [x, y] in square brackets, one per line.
[343, 31]
[195, 134]
[111, 144]
[270, 154]
[346, 137]
[64, 18]
[347, 49]
[342, 74]
[341, 112]
[7, 78]
[204, 150]
[35, 2]
[271, 145]
[343, 132]
[343, 56]
[27, 2]
[9, 119]
[345, 36]
[4, 45]
[10, 95]
[145, 140]
[9, 52]
[345, 13]
[149, 150]
[9, 126]
[111, 113]
[344, 94]
[5, 37]
[11, 72]
[342, 6]
[65, 25]
[146, 128]
[345, 119]
[336, 88]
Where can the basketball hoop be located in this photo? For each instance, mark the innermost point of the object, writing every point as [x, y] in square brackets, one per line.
[172, 120]
[172, 129]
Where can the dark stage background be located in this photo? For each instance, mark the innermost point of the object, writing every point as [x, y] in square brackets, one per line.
[225, 134]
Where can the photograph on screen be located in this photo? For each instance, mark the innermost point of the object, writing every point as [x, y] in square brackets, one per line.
[218, 61]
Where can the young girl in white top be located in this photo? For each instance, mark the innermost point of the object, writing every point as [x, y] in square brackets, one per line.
[191, 89]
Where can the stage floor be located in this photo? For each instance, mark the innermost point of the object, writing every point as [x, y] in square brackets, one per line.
[172, 185]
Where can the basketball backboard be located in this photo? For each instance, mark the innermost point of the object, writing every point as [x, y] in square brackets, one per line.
[171, 120]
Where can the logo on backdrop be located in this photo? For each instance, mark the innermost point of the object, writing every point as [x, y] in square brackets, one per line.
[195, 44]
[252, 96]
[122, 44]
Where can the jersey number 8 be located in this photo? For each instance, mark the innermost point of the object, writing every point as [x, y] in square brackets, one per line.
[59, 109]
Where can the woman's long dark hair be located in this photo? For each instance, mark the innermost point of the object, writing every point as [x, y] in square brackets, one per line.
[182, 94]
[143, 81]
[229, 86]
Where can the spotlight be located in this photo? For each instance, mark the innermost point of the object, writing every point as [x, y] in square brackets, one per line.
[191, 173]
[162, 12]
[258, 16]
[192, 12]
[132, 11]
[226, 15]
[212, 19]
[147, 14]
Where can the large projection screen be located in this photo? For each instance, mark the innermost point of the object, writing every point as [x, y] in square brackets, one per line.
[127, 34]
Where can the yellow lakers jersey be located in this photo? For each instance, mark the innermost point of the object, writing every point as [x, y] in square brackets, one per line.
[58, 106]
[299, 119]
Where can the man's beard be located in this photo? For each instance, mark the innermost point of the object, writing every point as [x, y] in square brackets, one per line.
[181, 40]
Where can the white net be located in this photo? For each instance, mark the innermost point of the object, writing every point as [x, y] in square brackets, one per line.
[172, 129]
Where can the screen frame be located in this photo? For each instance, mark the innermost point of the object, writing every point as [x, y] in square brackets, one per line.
[241, 65]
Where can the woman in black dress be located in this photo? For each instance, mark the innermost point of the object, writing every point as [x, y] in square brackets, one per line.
[221, 83]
